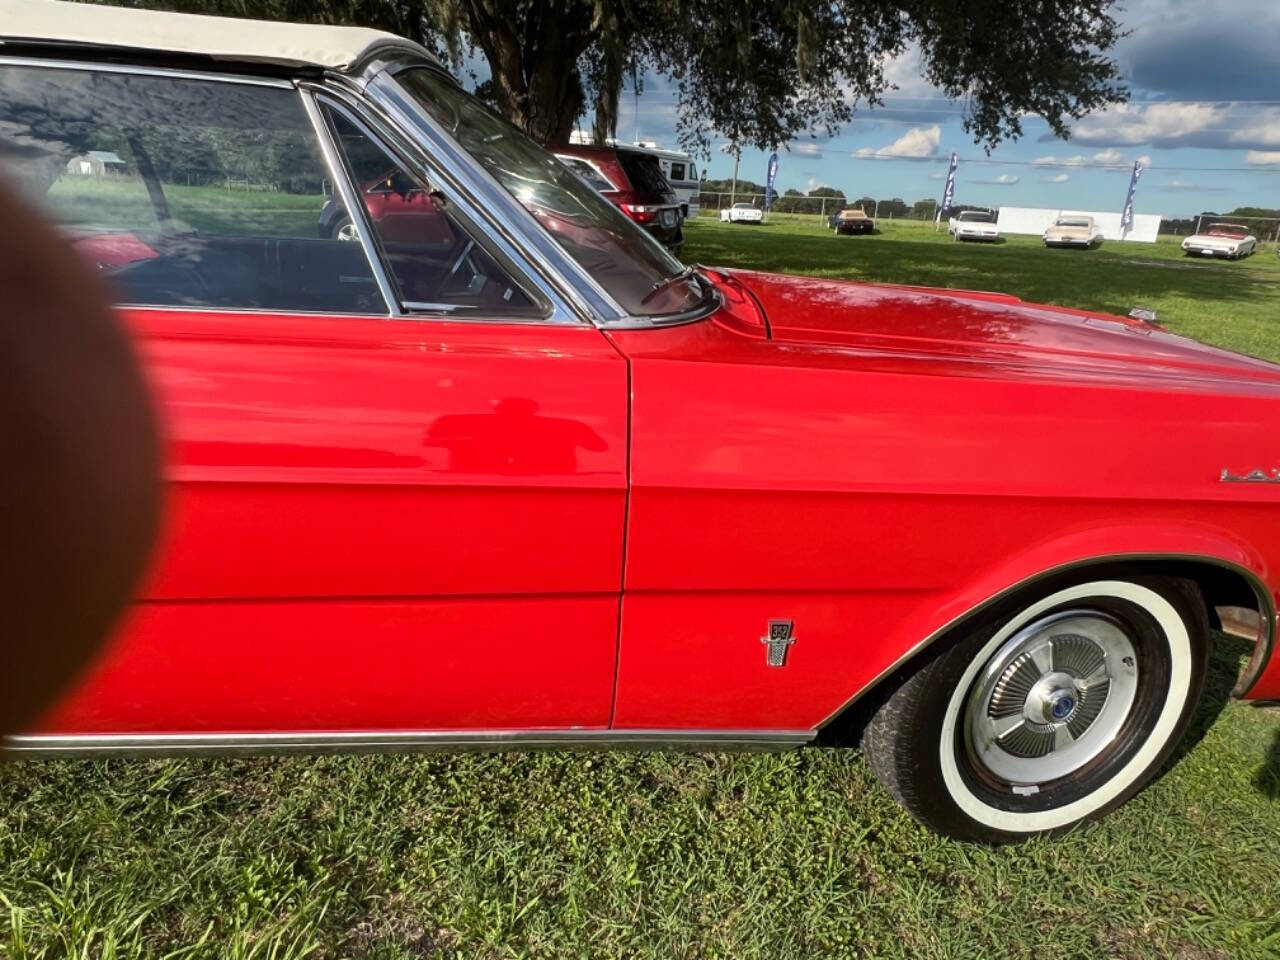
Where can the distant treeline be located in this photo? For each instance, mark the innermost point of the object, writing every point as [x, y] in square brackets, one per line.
[1264, 229]
[818, 200]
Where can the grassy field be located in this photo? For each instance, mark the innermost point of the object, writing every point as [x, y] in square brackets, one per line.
[575, 855]
[122, 203]
[1232, 303]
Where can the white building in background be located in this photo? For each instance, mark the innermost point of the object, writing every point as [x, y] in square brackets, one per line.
[679, 168]
[96, 163]
[1036, 220]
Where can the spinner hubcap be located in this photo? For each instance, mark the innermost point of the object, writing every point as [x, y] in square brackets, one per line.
[1053, 697]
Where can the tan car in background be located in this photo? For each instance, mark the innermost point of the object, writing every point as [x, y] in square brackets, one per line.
[1072, 231]
[853, 220]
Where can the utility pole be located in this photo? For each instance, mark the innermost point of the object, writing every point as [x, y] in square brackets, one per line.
[733, 191]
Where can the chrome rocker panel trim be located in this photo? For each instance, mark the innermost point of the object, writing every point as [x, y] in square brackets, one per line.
[407, 741]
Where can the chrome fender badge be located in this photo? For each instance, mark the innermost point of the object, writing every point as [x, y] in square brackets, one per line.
[780, 636]
[1256, 475]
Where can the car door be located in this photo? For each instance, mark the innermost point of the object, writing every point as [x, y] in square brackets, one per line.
[379, 523]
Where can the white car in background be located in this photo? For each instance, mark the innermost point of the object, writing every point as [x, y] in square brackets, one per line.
[742, 213]
[974, 225]
[1228, 240]
[1072, 231]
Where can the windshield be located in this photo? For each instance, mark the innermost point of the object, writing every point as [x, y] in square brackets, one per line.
[1073, 222]
[1227, 230]
[976, 216]
[632, 266]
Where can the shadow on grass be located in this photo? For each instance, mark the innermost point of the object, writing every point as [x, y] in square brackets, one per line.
[1225, 662]
[1268, 779]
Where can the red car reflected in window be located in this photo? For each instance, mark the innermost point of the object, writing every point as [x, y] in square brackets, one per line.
[403, 211]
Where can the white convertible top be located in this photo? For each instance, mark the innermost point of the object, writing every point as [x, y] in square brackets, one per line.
[223, 38]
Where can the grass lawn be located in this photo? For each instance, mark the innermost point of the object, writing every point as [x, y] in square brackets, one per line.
[1235, 304]
[122, 203]
[577, 855]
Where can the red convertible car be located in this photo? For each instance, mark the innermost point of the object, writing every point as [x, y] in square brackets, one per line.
[532, 481]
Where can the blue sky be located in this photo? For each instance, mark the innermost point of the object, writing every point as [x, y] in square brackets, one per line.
[1204, 112]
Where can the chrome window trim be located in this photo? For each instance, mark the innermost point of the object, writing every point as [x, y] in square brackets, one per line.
[355, 207]
[322, 139]
[403, 112]
[261, 311]
[89, 64]
[168, 744]
[505, 213]
[1261, 653]
[559, 312]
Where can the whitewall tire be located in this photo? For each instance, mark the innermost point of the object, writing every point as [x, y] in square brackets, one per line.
[1055, 709]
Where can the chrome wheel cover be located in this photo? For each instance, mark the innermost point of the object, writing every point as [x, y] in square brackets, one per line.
[347, 232]
[1051, 699]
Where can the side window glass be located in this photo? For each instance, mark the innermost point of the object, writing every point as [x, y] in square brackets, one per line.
[587, 172]
[182, 192]
[436, 260]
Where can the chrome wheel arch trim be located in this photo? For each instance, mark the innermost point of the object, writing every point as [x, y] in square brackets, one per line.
[1262, 651]
[398, 741]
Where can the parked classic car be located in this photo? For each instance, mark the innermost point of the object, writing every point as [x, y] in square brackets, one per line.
[854, 220]
[1229, 240]
[974, 225]
[545, 485]
[1073, 230]
[742, 213]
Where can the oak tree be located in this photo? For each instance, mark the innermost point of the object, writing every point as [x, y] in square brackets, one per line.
[757, 72]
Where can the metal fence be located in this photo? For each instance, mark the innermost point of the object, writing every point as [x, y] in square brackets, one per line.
[711, 203]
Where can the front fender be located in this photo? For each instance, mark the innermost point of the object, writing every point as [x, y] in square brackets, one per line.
[1130, 543]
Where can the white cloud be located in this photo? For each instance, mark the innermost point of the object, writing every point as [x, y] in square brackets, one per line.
[813, 183]
[1145, 160]
[1262, 158]
[1004, 180]
[1104, 158]
[917, 142]
[1188, 124]
[806, 149]
[1060, 178]
[1135, 123]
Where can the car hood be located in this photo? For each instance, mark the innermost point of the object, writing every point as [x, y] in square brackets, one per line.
[978, 333]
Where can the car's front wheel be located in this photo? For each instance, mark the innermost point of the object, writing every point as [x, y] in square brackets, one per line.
[1052, 713]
